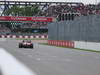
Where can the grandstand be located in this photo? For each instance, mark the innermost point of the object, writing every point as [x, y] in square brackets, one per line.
[59, 11]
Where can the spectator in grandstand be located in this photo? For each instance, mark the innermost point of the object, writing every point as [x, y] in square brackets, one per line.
[81, 9]
[4, 29]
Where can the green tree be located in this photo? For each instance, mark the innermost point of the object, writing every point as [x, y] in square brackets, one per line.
[23, 11]
[14, 11]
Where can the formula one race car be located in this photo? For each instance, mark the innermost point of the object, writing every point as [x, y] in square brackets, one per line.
[26, 44]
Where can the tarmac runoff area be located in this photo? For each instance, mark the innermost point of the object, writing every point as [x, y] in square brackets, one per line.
[47, 60]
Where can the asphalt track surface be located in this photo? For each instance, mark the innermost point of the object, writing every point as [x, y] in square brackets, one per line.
[48, 60]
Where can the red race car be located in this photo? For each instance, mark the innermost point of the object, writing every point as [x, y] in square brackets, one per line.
[26, 44]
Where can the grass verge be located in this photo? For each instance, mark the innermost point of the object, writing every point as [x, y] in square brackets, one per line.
[72, 48]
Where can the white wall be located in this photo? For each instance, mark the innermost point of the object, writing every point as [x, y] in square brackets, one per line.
[87, 45]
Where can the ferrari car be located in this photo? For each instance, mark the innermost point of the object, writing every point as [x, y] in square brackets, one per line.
[26, 44]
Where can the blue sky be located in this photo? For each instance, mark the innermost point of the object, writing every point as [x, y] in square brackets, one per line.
[84, 1]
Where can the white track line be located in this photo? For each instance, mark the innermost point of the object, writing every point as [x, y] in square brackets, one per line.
[11, 66]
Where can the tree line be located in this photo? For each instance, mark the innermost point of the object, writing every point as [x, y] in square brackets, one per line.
[22, 10]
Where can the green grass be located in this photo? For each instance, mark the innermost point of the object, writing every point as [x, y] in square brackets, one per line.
[30, 39]
[72, 48]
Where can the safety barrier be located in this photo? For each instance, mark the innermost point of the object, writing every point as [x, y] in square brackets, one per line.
[20, 36]
[69, 44]
[87, 45]
[76, 44]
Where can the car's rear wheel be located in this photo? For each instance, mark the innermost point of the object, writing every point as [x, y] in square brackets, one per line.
[20, 46]
[31, 46]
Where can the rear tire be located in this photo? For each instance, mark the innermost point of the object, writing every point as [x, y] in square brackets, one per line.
[20, 46]
[31, 46]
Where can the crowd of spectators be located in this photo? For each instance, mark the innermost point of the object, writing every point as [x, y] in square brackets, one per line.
[80, 9]
[25, 28]
[34, 25]
[4, 29]
[55, 10]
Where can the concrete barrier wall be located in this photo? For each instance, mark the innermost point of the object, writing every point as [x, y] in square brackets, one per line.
[76, 44]
[87, 45]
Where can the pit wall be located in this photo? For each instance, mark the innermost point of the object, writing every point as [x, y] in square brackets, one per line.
[76, 44]
[20, 36]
